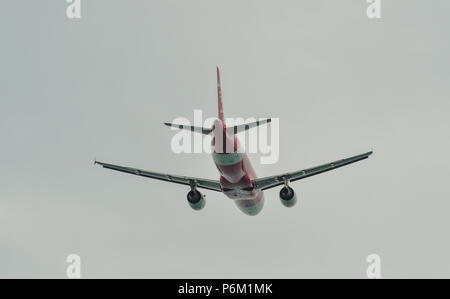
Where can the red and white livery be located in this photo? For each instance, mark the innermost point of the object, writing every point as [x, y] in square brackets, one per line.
[238, 180]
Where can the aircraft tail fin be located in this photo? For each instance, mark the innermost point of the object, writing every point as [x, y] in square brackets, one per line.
[230, 130]
[219, 97]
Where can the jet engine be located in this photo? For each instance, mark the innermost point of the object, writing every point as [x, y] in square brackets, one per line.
[288, 197]
[196, 199]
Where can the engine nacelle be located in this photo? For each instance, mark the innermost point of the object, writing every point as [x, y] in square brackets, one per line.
[288, 197]
[196, 199]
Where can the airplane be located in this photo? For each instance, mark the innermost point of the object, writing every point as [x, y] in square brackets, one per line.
[238, 180]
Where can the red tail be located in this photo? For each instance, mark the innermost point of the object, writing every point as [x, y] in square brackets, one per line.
[219, 96]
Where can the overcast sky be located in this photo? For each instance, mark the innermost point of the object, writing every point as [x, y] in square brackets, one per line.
[341, 84]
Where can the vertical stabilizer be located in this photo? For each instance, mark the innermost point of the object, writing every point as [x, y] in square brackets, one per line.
[219, 96]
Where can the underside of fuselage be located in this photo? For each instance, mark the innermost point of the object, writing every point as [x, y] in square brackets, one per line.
[236, 171]
[251, 206]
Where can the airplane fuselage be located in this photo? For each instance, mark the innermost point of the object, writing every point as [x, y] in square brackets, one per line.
[236, 171]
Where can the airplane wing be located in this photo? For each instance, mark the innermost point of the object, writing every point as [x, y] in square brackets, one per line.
[276, 180]
[184, 180]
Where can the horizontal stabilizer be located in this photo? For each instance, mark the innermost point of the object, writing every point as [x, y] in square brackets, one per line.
[245, 127]
[201, 130]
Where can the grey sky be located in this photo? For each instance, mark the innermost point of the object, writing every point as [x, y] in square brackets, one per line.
[72, 90]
